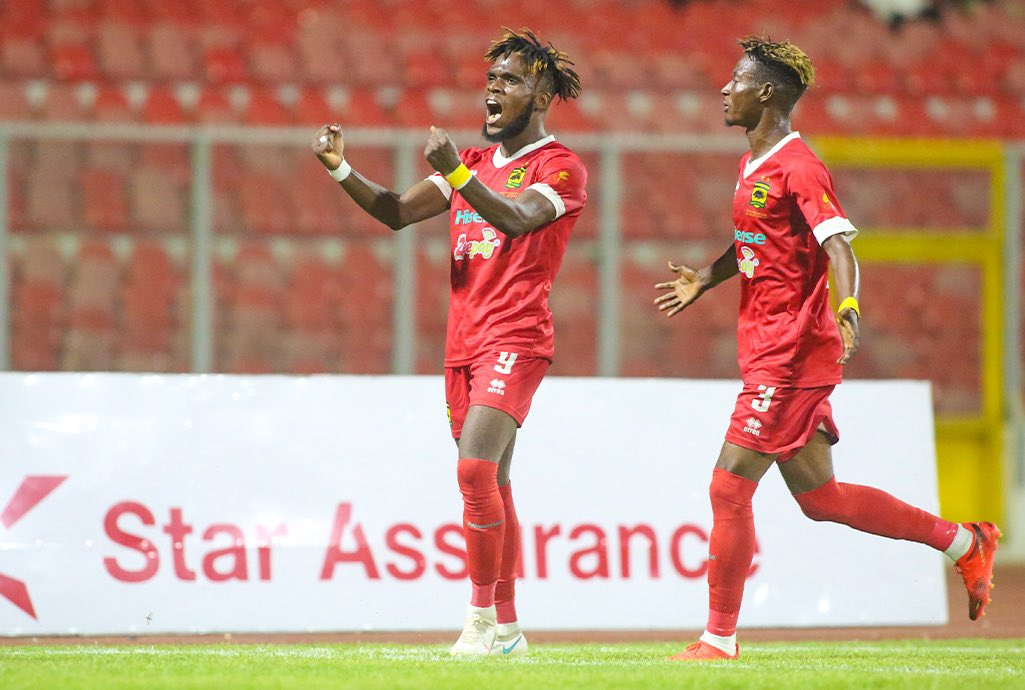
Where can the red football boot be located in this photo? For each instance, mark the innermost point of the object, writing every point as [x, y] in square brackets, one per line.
[976, 566]
[702, 651]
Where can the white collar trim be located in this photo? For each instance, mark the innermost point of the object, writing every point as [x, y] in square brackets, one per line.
[501, 161]
[753, 163]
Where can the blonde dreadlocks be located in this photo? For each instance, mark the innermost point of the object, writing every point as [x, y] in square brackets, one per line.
[544, 62]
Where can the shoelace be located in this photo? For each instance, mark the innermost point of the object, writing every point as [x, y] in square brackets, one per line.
[477, 628]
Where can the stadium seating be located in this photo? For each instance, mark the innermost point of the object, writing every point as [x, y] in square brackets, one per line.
[303, 280]
[232, 43]
[432, 279]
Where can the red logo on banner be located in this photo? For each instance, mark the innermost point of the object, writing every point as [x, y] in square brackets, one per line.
[33, 489]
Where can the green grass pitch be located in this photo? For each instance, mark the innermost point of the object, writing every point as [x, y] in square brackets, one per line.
[912, 664]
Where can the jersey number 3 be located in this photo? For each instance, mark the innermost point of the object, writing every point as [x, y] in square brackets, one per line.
[762, 402]
[506, 360]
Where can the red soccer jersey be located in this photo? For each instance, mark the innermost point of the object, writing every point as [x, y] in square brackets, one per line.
[783, 210]
[500, 284]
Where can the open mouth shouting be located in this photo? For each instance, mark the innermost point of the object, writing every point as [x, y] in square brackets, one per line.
[493, 111]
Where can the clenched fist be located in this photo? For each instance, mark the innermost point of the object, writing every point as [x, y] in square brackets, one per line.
[328, 145]
[441, 152]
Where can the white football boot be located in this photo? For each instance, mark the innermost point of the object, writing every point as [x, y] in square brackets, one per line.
[509, 641]
[479, 630]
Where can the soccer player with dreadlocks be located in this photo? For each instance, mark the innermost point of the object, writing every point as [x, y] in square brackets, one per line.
[789, 231]
[512, 207]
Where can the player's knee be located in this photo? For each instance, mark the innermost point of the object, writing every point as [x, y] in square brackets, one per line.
[730, 493]
[816, 512]
[719, 493]
[823, 504]
[476, 475]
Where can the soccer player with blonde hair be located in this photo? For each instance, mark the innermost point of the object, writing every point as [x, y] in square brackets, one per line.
[511, 207]
[790, 230]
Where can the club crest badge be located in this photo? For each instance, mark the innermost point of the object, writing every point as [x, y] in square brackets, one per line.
[516, 177]
[760, 194]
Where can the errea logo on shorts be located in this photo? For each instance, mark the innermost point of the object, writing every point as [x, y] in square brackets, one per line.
[496, 386]
[752, 426]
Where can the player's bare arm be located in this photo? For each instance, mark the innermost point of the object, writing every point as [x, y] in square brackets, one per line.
[513, 217]
[421, 201]
[847, 279]
[692, 283]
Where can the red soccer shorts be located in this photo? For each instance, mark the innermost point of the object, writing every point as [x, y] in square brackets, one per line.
[781, 421]
[502, 380]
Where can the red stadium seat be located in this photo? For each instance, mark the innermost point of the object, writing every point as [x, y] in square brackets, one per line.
[23, 56]
[319, 49]
[41, 263]
[312, 109]
[319, 206]
[215, 106]
[273, 62]
[120, 50]
[878, 76]
[149, 314]
[574, 304]
[365, 284]
[224, 65]
[172, 52]
[157, 201]
[145, 360]
[309, 353]
[73, 62]
[46, 209]
[38, 306]
[66, 102]
[568, 117]
[425, 68]
[14, 103]
[105, 200]
[162, 107]
[350, 107]
[31, 354]
[134, 14]
[28, 19]
[265, 108]
[263, 212]
[152, 270]
[312, 293]
[432, 279]
[112, 105]
[92, 293]
[365, 108]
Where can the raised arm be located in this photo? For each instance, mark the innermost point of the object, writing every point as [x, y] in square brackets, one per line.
[513, 217]
[847, 280]
[421, 201]
[693, 283]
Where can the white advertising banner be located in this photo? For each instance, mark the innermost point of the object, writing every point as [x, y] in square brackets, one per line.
[133, 504]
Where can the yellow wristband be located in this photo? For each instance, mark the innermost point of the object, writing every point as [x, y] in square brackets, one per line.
[849, 303]
[459, 177]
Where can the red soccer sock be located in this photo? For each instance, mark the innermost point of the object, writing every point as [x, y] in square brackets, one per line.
[483, 526]
[877, 512]
[505, 592]
[731, 547]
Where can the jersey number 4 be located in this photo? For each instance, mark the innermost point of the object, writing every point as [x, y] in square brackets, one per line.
[506, 360]
[762, 402]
